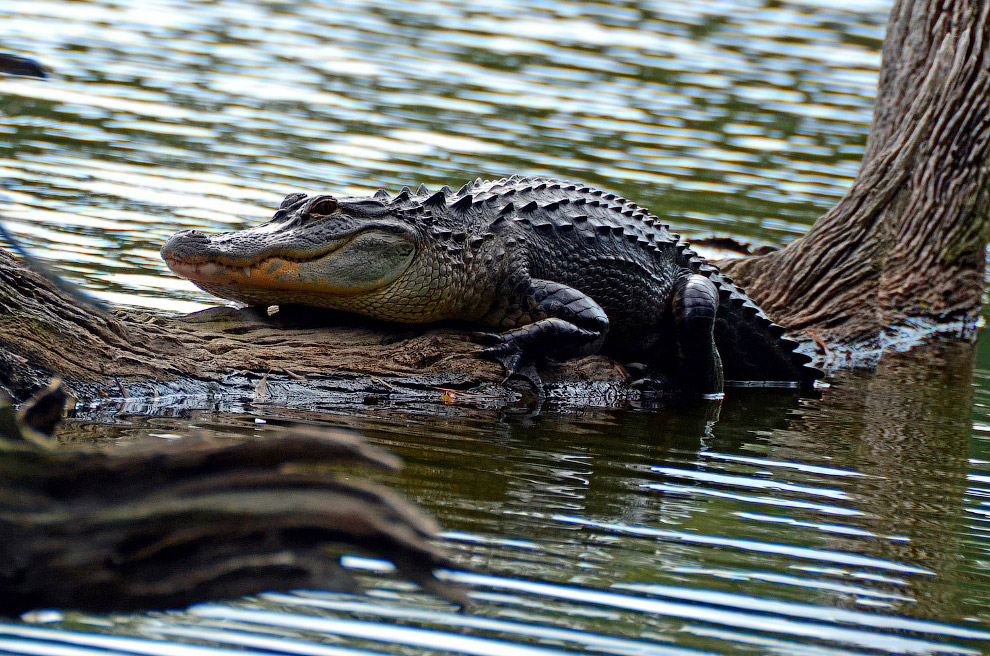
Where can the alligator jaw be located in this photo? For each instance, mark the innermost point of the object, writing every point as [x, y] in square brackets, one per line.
[269, 273]
[203, 270]
[357, 263]
[204, 259]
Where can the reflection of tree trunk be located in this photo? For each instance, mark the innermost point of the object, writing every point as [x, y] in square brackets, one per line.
[908, 240]
[907, 428]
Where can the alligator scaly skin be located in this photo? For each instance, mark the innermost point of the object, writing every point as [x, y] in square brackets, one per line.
[553, 268]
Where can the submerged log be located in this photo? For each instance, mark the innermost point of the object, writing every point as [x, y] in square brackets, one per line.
[165, 524]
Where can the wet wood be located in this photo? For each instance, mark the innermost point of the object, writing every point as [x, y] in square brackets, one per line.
[44, 332]
[224, 353]
[164, 524]
[906, 245]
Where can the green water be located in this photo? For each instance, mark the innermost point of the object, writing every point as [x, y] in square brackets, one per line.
[852, 522]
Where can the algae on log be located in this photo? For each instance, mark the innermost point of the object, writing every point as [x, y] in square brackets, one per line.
[907, 243]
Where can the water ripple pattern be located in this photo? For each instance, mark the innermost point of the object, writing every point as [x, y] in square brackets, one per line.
[616, 532]
[737, 117]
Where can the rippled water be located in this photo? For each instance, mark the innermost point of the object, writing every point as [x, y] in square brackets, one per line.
[738, 116]
[855, 522]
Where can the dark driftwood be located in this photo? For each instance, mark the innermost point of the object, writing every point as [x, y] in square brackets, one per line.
[167, 524]
[907, 243]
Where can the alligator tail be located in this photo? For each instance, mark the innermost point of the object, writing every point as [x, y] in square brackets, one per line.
[753, 348]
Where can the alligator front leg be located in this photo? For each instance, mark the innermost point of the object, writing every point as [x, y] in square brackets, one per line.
[546, 320]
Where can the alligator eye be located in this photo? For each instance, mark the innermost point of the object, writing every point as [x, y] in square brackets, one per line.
[325, 206]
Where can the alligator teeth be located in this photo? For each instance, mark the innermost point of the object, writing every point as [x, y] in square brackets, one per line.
[247, 271]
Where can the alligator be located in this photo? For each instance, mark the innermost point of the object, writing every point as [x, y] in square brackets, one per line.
[551, 269]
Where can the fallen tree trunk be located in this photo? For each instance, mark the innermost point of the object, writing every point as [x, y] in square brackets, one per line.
[44, 332]
[907, 243]
[223, 354]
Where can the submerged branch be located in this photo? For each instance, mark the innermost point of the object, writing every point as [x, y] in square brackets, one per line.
[166, 524]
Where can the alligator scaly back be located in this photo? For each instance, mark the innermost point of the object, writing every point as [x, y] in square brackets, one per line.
[752, 347]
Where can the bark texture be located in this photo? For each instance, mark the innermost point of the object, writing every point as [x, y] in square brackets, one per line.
[906, 245]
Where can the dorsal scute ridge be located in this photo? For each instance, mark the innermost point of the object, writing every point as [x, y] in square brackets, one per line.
[439, 199]
[463, 204]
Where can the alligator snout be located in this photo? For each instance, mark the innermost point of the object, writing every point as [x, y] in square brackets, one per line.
[184, 244]
[191, 234]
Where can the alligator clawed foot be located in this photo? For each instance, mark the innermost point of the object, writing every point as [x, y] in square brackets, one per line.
[510, 356]
[486, 339]
[527, 373]
[508, 353]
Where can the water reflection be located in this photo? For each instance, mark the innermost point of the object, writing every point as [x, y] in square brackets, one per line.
[906, 430]
[776, 522]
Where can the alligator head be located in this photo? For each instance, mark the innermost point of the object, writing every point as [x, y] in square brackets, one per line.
[315, 250]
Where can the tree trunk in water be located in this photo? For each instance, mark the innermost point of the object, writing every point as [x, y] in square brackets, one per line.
[906, 245]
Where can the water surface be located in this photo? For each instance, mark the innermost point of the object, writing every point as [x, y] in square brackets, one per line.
[848, 523]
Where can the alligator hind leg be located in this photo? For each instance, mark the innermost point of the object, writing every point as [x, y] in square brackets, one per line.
[551, 321]
[694, 304]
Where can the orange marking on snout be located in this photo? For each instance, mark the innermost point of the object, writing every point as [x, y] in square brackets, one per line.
[272, 273]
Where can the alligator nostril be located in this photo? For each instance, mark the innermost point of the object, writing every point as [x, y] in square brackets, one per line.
[179, 244]
[193, 234]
